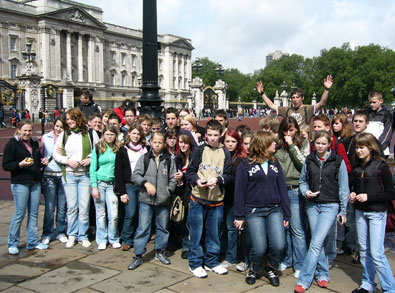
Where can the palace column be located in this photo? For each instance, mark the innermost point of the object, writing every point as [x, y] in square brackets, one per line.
[80, 60]
[68, 56]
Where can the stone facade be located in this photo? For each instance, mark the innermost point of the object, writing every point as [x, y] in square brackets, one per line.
[76, 49]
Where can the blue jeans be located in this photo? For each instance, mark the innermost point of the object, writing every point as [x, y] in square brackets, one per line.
[26, 196]
[321, 218]
[210, 218]
[77, 189]
[296, 242]
[232, 235]
[371, 232]
[130, 220]
[330, 243]
[52, 188]
[266, 229]
[109, 199]
[350, 243]
[144, 229]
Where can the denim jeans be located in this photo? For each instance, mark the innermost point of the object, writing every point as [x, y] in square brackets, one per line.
[266, 230]
[321, 218]
[210, 218]
[371, 232]
[330, 243]
[109, 199]
[144, 229]
[26, 196]
[52, 188]
[130, 220]
[295, 233]
[350, 243]
[232, 235]
[78, 194]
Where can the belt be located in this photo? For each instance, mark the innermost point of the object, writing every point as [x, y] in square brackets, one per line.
[57, 174]
[107, 182]
[77, 173]
[289, 187]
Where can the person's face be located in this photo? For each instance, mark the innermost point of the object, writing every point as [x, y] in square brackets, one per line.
[321, 145]
[83, 99]
[70, 122]
[95, 124]
[375, 103]
[184, 147]
[109, 137]
[319, 126]
[26, 132]
[304, 134]
[157, 144]
[186, 125]
[171, 141]
[58, 128]
[360, 124]
[129, 117]
[337, 126]
[115, 123]
[230, 143]
[212, 137]
[272, 147]
[171, 120]
[247, 142]
[156, 128]
[290, 132]
[104, 119]
[363, 153]
[296, 100]
[146, 127]
[135, 136]
[220, 120]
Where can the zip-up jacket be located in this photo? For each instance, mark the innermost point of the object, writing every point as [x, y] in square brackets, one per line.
[158, 176]
[15, 152]
[48, 144]
[106, 162]
[374, 179]
[380, 125]
[256, 189]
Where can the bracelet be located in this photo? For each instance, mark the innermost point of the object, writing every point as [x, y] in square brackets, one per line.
[328, 89]
[262, 93]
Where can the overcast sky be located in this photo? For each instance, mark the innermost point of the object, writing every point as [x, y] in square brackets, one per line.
[240, 33]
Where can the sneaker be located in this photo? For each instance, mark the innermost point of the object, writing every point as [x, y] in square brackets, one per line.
[361, 290]
[283, 267]
[272, 276]
[162, 257]
[296, 274]
[322, 284]
[116, 245]
[184, 254]
[242, 266]
[299, 289]
[137, 261]
[356, 259]
[199, 272]
[227, 264]
[251, 277]
[70, 242]
[46, 240]
[41, 246]
[102, 246]
[219, 269]
[340, 251]
[85, 243]
[13, 250]
[125, 247]
[62, 238]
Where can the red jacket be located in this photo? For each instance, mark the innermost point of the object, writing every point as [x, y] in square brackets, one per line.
[119, 112]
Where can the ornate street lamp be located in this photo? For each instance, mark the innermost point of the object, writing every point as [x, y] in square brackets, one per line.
[197, 66]
[29, 56]
[220, 70]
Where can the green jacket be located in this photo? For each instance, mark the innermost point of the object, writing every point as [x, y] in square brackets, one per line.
[106, 162]
[291, 159]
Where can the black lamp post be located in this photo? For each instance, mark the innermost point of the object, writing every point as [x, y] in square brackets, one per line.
[197, 66]
[150, 100]
[220, 70]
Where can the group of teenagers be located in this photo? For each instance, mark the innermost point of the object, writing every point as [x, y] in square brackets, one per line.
[268, 200]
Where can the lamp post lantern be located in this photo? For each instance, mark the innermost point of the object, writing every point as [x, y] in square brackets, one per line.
[220, 70]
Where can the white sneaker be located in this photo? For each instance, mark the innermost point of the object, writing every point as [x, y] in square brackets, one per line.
[62, 239]
[242, 266]
[227, 264]
[101, 246]
[70, 242]
[85, 243]
[13, 250]
[116, 245]
[283, 267]
[46, 240]
[198, 272]
[220, 270]
[296, 274]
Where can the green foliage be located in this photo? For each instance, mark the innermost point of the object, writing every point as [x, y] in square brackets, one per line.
[355, 73]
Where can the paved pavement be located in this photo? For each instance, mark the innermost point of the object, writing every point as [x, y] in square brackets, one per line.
[89, 270]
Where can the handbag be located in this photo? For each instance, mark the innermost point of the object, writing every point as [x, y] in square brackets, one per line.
[177, 211]
[390, 226]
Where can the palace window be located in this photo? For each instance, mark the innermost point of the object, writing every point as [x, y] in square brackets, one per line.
[13, 43]
[13, 71]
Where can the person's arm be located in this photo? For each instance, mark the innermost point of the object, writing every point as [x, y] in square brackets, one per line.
[57, 156]
[93, 168]
[303, 181]
[191, 173]
[10, 163]
[282, 187]
[344, 190]
[226, 177]
[119, 188]
[269, 103]
[297, 156]
[328, 81]
[387, 184]
[138, 173]
[241, 187]
[385, 137]
[172, 180]
[342, 152]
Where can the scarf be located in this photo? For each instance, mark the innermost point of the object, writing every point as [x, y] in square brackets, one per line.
[137, 148]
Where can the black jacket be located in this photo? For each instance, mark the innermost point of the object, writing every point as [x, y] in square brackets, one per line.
[15, 152]
[89, 109]
[122, 172]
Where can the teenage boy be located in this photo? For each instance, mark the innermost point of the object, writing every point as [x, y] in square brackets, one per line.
[145, 121]
[157, 124]
[130, 118]
[87, 105]
[171, 119]
[222, 118]
[115, 120]
[209, 172]
[302, 113]
[380, 121]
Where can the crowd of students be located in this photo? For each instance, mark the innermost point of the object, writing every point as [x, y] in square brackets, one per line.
[279, 192]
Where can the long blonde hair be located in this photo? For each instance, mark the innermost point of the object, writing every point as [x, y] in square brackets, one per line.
[116, 144]
[259, 147]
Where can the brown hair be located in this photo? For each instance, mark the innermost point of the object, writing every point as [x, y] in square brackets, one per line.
[145, 117]
[323, 133]
[368, 140]
[21, 124]
[185, 138]
[76, 115]
[269, 122]
[376, 94]
[137, 126]
[346, 129]
[103, 144]
[259, 147]
[285, 125]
